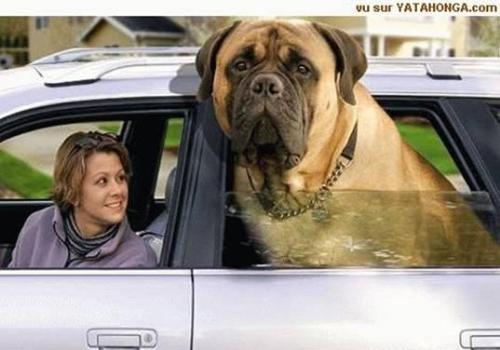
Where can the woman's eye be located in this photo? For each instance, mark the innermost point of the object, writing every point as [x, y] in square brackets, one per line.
[303, 69]
[102, 181]
[241, 66]
[122, 178]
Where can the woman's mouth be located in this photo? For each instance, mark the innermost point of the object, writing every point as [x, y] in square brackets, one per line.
[114, 205]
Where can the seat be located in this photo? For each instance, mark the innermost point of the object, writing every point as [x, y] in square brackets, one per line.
[153, 234]
[5, 254]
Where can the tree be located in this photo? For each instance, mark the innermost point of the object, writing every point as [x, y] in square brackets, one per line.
[488, 33]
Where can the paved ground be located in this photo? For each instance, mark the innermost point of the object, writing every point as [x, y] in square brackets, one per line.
[7, 194]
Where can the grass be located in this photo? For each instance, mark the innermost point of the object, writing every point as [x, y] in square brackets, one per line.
[425, 140]
[113, 127]
[21, 178]
[174, 131]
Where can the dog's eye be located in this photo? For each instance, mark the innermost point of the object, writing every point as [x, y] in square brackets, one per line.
[303, 69]
[241, 66]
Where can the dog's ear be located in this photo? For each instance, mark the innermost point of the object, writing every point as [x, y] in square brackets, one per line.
[206, 57]
[351, 60]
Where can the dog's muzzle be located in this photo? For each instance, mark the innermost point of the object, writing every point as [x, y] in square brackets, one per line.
[267, 122]
[267, 86]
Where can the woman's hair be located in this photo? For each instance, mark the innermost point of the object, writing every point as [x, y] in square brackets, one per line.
[69, 169]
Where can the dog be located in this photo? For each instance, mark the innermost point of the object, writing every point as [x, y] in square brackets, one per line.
[307, 137]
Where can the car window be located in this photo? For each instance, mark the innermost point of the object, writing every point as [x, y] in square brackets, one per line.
[27, 160]
[421, 135]
[373, 228]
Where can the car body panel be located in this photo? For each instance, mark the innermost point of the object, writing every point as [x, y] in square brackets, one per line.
[343, 308]
[55, 309]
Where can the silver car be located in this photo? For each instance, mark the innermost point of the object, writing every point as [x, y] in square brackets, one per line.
[212, 289]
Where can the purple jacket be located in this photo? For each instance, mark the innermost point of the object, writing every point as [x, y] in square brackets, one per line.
[41, 244]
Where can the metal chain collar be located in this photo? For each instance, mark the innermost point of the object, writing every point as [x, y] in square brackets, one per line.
[277, 210]
[280, 211]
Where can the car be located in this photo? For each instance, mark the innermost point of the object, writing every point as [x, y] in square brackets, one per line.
[212, 289]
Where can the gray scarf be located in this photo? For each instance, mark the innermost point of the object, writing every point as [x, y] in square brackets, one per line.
[78, 245]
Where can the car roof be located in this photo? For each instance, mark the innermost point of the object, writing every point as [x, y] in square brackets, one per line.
[111, 73]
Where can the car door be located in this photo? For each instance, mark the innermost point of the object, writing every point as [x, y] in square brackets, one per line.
[263, 307]
[95, 308]
[346, 309]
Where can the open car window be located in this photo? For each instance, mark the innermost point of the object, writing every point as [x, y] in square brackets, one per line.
[396, 229]
[27, 159]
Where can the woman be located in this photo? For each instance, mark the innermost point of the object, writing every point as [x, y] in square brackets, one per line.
[87, 227]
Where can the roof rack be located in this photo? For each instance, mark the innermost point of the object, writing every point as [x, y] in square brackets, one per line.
[423, 60]
[91, 72]
[95, 54]
[438, 67]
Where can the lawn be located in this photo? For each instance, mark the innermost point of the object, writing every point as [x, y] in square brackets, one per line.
[21, 178]
[425, 140]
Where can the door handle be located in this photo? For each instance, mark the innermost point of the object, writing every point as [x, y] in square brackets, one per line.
[480, 339]
[121, 338]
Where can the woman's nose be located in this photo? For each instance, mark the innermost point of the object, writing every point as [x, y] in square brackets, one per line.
[118, 187]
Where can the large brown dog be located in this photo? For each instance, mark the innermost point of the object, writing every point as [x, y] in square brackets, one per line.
[286, 93]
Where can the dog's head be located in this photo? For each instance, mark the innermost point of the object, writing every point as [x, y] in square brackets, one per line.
[271, 80]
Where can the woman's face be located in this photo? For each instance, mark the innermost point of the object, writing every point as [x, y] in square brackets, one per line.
[103, 196]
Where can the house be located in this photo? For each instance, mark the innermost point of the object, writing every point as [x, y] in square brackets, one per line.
[51, 34]
[379, 35]
[13, 41]
[132, 31]
[397, 35]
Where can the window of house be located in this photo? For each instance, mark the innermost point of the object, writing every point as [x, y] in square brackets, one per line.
[41, 22]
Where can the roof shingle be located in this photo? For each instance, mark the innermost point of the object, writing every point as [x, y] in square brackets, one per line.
[150, 24]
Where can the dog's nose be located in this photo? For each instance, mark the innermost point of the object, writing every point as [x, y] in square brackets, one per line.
[267, 85]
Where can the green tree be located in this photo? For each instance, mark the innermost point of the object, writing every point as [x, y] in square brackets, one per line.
[488, 32]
